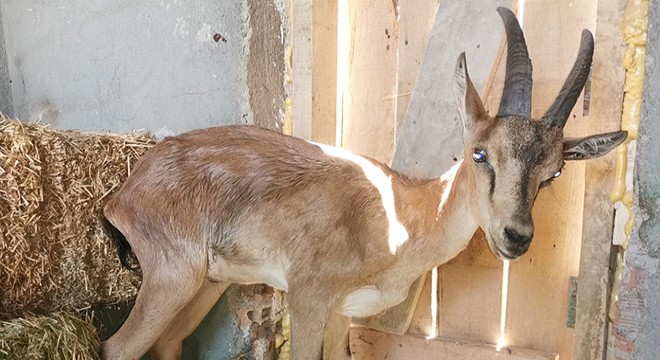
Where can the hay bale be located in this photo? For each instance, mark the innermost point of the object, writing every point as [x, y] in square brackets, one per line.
[59, 336]
[53, 252]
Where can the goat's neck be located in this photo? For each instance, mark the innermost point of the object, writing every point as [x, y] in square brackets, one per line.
[438, 217]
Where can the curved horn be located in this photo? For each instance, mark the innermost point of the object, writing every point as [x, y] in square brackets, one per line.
[559, 111]
[517, 94]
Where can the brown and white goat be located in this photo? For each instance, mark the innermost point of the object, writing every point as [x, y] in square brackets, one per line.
[344, 235]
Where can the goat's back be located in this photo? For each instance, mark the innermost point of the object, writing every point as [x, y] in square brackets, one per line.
[248, 193]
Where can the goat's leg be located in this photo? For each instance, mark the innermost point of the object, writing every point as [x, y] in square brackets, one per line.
[169, 282]
[309, 312]
[169, 345]
[335, 342]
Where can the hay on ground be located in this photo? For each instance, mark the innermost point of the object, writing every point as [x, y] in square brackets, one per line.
[59, 336]
[53, 252]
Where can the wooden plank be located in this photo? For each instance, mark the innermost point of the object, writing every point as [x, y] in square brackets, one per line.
[421, 321]
[606, 97]
[369, 99]
[470, 287]
[368, 344]
[324, 71]
[539, 280]
[415, 23]
[301, 34]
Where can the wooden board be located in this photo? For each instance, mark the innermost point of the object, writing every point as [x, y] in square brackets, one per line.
[415, 24]
[324, 72]
[607, 80]
[421, 319]
[470, 301]
[369, 99]
[539, 280]
[368, 344]
[301, 33]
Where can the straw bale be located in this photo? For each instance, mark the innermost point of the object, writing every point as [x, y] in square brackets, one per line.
[59, 336]
[53, 252]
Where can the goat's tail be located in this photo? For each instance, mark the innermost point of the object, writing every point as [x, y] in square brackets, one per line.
[124, 250]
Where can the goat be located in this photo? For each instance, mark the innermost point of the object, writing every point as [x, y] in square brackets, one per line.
[344, 235]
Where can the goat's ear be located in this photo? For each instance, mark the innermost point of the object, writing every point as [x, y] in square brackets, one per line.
[592, 146]
[467, 98]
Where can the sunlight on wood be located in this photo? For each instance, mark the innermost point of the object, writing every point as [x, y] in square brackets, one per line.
[343, 42]
[433, 333]
[501, 342]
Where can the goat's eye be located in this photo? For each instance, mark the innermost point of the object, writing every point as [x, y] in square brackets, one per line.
[479, 155]
[556, 175]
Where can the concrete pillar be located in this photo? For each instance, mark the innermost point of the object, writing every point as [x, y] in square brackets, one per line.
[636, 329]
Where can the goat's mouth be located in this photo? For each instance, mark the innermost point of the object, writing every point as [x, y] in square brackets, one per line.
[503, 255]
[500, 250]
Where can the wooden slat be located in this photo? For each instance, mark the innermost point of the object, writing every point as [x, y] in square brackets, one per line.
[421, 320]
[301, 30]
[470, 287]
[369, 344]
[369, 101]
[539, 280]
[608, 76]
[415, 23]
[324, 71]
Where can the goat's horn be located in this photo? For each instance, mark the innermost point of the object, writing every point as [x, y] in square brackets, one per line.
[517, 94]
[559, 111]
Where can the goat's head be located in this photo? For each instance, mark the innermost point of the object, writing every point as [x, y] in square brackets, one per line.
[511, 156]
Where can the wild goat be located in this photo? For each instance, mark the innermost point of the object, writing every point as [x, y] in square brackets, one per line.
[344, 235]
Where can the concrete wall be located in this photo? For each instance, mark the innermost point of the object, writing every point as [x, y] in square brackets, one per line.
[637, 326]
[166, 66]
[6, 103]
[122, 65]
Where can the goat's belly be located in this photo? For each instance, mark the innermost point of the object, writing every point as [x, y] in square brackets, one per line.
[272, 274]
[369, 301]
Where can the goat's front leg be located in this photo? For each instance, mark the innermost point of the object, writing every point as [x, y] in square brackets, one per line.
[309, 310]
[336, 345]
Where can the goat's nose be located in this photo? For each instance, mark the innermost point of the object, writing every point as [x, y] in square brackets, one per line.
[522, 240]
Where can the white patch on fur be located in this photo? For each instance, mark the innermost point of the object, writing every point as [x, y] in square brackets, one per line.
[370, 300]
[365, 301]
[383, 183]
[448, 179]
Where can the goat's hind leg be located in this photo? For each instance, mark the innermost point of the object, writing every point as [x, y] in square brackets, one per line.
[169, 282]
[169, 345]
